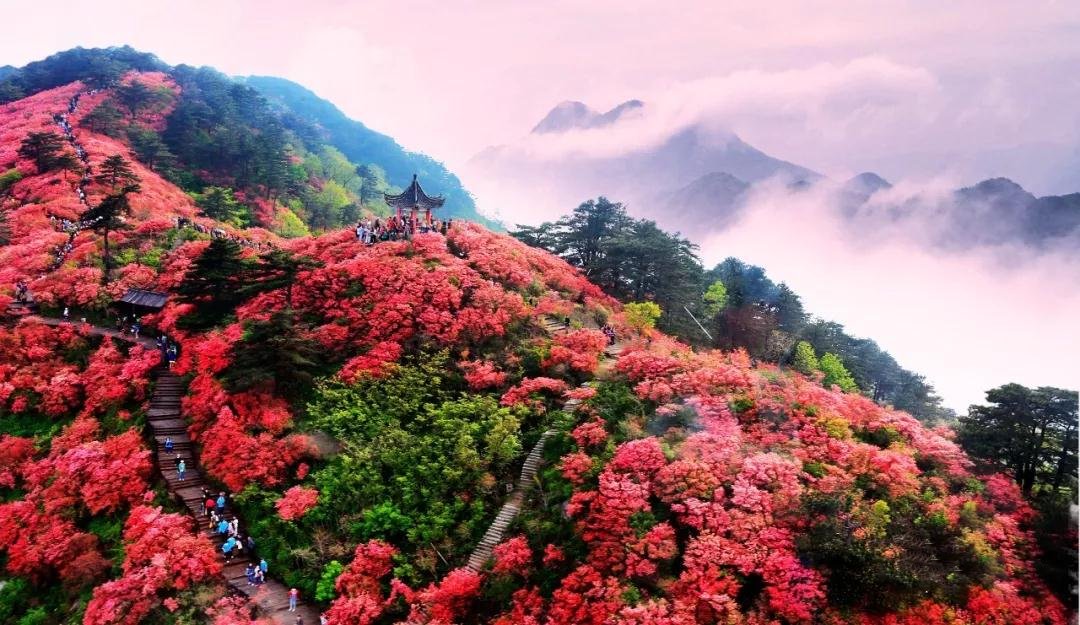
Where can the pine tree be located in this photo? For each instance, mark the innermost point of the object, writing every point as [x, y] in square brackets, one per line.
[273, 353]
[212, 284]
[220, 204]
[104, 119]
[790, 314]
[44, 149]
[115, 171]
[108, 216]
[277, 270]
[135, 96]
[150, 149]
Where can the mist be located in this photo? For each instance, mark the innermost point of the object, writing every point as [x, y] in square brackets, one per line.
[969, 320]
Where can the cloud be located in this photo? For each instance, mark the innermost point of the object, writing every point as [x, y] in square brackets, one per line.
[826, 96]
[968, 320]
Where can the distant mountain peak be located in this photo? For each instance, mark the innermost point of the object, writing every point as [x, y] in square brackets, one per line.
[571, 114]
[868, 181]
[997, 185]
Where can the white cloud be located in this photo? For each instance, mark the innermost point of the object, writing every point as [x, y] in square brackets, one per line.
[967, 321]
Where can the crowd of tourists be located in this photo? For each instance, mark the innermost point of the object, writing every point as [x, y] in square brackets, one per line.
[71, 227]
[371, 231]
[219, 233]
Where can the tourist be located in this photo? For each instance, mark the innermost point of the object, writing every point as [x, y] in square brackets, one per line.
[263, 566]
[214, 519]
[168, 444]
[180, 470]
[249, 544]
[227, 548]
[67, 314]
[220, 502]
[208, 507]
[294, 594]
[222, 526]
[234, 527]
[299, 620]
[260, 577]
[249, 572]
[135, 329]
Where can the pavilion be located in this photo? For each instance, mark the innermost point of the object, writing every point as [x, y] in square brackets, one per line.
[412, 201]
[139, 302]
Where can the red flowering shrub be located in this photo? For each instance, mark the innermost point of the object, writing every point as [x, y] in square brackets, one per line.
[162, 555]
[525, 390]
[296, 502]
[589, 434]
[512, 556]
[448, 600]
[580, 350]
[482, 374]
[574, 466]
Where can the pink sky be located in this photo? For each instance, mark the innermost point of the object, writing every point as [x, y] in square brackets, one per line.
[913, 90]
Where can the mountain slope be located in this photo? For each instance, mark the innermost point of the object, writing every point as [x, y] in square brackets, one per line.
[712, 201]
[992, 213]
[367, 408]
[575, 152]
[363, 145]
[226, 145]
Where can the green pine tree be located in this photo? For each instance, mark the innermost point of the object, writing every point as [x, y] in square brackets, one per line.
[108, 216]
[212, 285]
[44, 148]
[277, 270]
[115, 171]
[273, 354]
[219, 203]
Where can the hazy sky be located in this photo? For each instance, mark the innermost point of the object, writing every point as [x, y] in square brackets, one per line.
[974, 80]
[913, 90]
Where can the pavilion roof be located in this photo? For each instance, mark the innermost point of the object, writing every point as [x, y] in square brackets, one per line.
[147, 299]
[414, 196]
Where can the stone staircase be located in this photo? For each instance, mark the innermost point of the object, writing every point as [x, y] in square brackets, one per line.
[496, 532]
[509, 511]
[165, 421]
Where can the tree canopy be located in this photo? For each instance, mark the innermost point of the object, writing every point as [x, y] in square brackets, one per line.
[1032, 433]
[739, 305]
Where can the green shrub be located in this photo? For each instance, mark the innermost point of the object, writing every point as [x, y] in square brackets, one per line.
[324, 590]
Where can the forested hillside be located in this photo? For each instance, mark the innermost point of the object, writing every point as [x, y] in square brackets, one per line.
[449, 427]
[737, 305]
[288, 166]
[363, 145]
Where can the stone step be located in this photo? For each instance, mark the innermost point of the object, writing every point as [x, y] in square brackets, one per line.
[157, 413]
